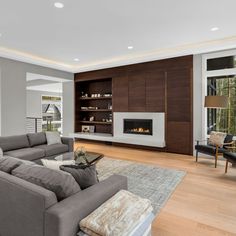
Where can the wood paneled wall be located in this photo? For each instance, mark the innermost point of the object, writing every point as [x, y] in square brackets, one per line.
[158, 86]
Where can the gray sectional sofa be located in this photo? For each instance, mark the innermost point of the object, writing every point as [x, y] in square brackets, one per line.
[33, 147]
[27, 209]
[30, 210]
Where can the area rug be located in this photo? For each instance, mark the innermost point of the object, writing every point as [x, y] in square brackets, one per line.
[147, 181]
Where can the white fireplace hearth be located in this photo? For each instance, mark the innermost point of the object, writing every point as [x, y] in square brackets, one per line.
[140, 136]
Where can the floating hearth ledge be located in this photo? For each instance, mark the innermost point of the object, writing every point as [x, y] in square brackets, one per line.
[157, 139]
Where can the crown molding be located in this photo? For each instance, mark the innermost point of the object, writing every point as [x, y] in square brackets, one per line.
[34, 59]
[187, 49]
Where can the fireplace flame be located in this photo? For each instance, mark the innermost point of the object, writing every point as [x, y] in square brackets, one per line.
[140, 130]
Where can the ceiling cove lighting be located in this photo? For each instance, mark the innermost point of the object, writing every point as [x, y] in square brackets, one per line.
[214, 29]
[130, 47]
[58, 5]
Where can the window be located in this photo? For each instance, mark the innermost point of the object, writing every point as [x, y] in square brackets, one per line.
[52, 113]
[223, 120]
[221, 63]
[219, 78]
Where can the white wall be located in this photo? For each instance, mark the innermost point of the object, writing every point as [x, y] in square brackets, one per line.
[33, 102]
[197, 98]
[13, 87]
[68, 108]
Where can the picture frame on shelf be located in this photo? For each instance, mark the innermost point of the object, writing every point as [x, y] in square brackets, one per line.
[88, 128]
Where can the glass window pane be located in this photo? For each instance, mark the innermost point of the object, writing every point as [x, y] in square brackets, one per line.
[221, 63]
[223, 120]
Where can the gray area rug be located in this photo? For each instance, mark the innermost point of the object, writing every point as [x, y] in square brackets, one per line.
[147, 181]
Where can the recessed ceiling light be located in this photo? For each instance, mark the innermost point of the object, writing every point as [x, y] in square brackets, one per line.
[76, 59]
[214, 28]
[58, 5]
[130, 47]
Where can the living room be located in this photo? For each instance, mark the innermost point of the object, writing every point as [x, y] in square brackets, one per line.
[110, 107]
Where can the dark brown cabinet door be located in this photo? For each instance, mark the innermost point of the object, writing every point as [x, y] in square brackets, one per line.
[137, 92]
[179, 137]
[155, 91]
[179, 100]
[120, 90]
[179, 111]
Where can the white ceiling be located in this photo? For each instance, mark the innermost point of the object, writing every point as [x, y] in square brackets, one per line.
[99, 32]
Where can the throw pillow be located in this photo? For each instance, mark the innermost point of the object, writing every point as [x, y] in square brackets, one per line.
[61, 183]
[53, 137]
[1, 152]
[7, 164]
[55, 165]
[85, 177]
[217, 138]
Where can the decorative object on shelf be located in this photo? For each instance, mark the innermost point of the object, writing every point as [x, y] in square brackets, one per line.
[107, 95]
[91, 118]
[103, 120]
[88, 128]
[109, 107]
[84, 95]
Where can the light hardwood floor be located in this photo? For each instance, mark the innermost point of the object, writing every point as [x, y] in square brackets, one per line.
[203, 204]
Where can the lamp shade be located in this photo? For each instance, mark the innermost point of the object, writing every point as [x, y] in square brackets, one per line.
[216, 101]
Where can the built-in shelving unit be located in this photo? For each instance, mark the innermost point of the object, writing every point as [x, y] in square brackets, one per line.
[94, 105]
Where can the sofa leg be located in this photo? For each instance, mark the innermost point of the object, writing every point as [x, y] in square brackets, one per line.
[196, 156]
[226, 166]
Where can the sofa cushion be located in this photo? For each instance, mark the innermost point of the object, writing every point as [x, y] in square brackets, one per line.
[55, 165]
[7, 164]
[37, 139]
[54, 149]
[53, 137]
[217, 138]
[29, 154]
[59, 182]
[85, 177]
[14, 142]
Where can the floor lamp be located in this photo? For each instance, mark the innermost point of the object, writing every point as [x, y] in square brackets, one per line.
[216, 102]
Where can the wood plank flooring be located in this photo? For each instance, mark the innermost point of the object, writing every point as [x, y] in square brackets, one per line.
[203, 204]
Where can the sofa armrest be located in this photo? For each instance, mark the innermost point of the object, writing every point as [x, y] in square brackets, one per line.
[63, 218]
[69, 142]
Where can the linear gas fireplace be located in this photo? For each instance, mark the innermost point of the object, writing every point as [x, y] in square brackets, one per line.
[138, 126]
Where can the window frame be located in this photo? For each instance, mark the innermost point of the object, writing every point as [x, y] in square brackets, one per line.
[214, 73]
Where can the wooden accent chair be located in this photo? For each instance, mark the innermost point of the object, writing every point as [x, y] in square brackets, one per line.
[213, 150]
[230, 156]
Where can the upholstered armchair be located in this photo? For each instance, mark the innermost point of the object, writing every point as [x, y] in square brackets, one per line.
[213, 150]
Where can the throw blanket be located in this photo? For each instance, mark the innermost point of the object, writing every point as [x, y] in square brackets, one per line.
[117, 216]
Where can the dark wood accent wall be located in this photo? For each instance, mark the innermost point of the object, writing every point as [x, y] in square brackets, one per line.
[158, 86]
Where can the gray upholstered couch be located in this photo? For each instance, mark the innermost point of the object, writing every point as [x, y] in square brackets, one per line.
[33, 147]
[27, 209]
[30, 210]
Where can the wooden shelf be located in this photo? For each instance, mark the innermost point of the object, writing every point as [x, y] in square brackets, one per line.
[97, 110]
[96, 122]
[97, 98]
